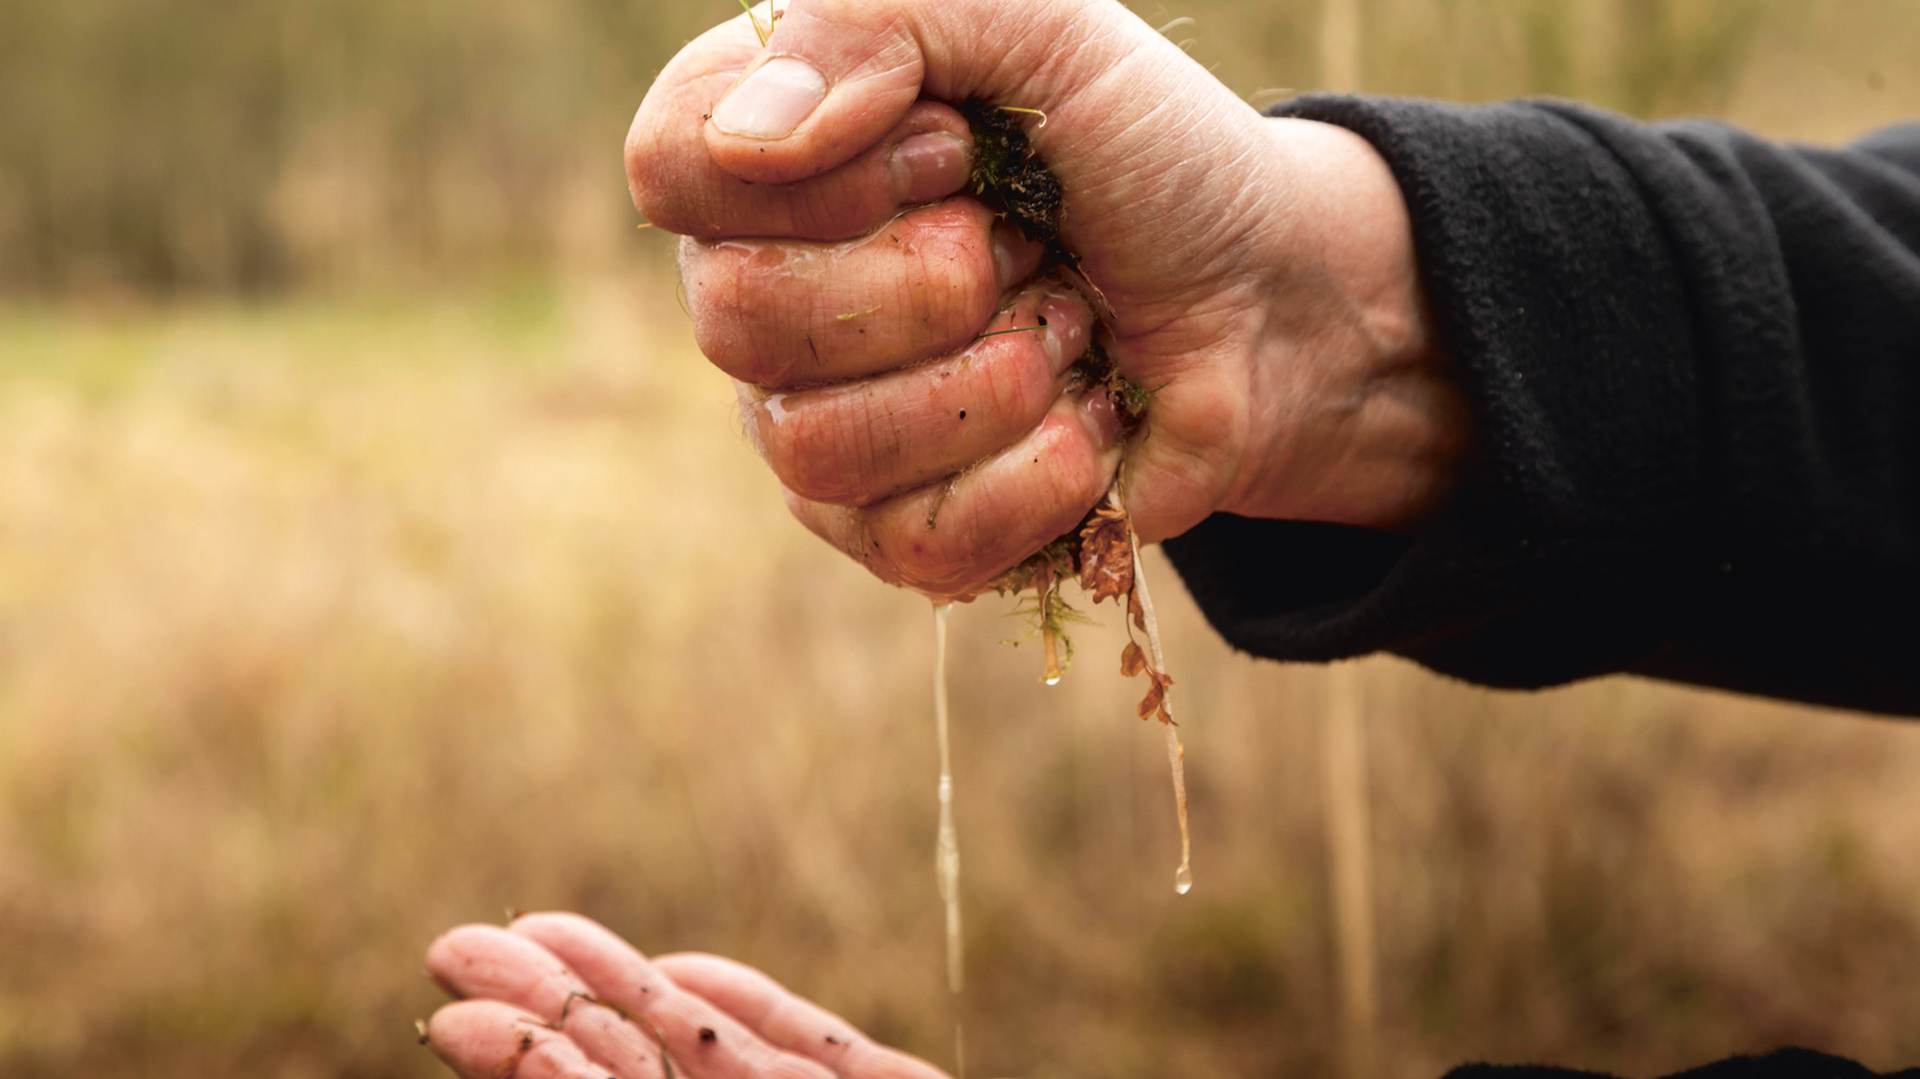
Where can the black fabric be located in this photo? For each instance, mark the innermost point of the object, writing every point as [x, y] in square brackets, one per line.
[1693, 358]
[1784, 1064]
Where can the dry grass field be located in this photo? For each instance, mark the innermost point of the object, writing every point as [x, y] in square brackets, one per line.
[347, 593]
[324, 626]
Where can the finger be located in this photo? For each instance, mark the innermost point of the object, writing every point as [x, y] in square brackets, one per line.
[1133, 128]
[485, 1039]
[485, 961]
[859, 442]
[790, 1022]
[703, 1041]
[950, 539]
[923, 157]
[780, 313]
[838, 74]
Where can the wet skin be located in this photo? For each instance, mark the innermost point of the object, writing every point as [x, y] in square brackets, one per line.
[1260, 275]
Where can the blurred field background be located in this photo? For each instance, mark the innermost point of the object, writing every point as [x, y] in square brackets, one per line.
[376, 552]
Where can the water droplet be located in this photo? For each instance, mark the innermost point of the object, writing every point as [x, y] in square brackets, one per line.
[1051, 680]
[1183, 880]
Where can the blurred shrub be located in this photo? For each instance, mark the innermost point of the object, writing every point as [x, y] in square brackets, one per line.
[168, 145]
[172, 144]
[324, 626]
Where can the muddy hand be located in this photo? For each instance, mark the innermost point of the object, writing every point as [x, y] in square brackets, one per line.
[1260, 273]
[556, 996]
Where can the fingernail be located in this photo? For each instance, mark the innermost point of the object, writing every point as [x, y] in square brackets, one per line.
[1015, 257]
[927, 168]
[1066, 336]
[772, 101]
[1003, 263]
[1101, 418]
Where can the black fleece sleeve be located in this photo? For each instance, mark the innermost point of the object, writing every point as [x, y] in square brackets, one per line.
[1782, 1064]
[1693, 358]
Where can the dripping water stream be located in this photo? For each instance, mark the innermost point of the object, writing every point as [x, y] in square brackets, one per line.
[946, 849]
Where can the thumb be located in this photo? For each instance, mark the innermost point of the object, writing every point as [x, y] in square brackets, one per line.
[1152, 154]
[837, 75]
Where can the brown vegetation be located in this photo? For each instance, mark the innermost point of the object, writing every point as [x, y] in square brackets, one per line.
[195, 146]
[327, 627]
[325, 624]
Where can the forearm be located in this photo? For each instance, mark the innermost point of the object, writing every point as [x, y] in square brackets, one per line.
[1684, 350]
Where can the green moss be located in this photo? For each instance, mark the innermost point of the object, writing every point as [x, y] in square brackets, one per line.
[1009, 177]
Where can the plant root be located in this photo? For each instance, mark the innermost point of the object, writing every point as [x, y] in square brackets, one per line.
[1141, 603]
[1103, 553]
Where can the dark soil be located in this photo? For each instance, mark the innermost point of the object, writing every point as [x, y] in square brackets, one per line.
[1009, 177]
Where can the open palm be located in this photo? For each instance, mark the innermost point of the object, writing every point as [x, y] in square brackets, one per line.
[558, 996]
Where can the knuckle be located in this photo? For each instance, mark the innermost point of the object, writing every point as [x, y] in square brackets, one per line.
[1073, 474]
[650, 172]
[838, 206]
[643, 186]
[800, 467]
[978, 535]
[925, 559]
[639, 136]
[857, 541]
[718, 337]
[737, 320]
[1067, 480]
[817, 212]
[843, 457]
[1074, 477]
[822, 486]
[1024, 393]
[954, 264]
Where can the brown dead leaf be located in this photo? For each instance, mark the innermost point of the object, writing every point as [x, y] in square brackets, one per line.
[1106, 554]
[1133, 660]
[1155, 700]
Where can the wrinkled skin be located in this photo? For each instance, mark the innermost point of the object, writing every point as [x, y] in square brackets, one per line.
[556, 996]
[1260, 273]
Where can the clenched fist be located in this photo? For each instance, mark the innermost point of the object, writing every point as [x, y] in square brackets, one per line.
[1260, 275]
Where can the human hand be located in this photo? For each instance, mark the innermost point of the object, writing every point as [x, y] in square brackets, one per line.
[556, 996]
[1260, 273]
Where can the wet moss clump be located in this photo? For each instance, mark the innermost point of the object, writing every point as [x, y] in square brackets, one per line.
[1009, 177]
[1129, 398]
